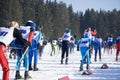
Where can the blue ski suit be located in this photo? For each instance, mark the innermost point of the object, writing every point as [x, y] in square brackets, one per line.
[97, 43]
[33, 50]
[83, 45]
[25, 30]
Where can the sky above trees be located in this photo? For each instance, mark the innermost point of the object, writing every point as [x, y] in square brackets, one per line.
[82, 5]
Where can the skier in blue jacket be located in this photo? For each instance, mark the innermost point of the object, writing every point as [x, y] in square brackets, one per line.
[27, 33]
[97, 43]
[110, 43]
[33, 50]
[83, 45]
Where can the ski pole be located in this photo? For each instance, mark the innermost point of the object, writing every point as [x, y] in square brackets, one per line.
[14, 48]
[24, 53]
[20, 59]
[85, 55]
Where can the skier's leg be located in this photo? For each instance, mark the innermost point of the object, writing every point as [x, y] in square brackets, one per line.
[30, 59]
[63, 51]
[62, 56]
[88, 59]
[26, 59]
[100, 54]
[17, 75]
[117, 52]
[4, 63]
[35, 59]
[67, 54]
[83, 56]
[95, 59]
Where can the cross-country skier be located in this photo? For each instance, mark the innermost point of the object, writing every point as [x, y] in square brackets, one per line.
[97, 43]
[65, 45]
[53, 44]
[72, 44]
[40, 46]
[33, 50]
[6, 37]
[59, 43]
[83, 45]
[91, 34]
[27, 33]
[110, 43]
[117, 46]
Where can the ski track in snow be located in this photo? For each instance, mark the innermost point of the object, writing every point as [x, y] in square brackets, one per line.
[51, 69]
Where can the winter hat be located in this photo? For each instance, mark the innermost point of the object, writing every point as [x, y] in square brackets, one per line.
[14, 24]
[31, 24]
[86, 35]
[68, 31]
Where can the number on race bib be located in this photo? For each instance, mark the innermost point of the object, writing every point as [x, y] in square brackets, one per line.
[3, 33]
[23, 31]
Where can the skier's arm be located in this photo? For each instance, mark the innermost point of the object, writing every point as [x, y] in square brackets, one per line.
[19, 37]
[78, 43]
[31, 35]
[94, 32]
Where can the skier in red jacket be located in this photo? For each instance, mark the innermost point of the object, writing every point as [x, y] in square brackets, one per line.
[117, 47]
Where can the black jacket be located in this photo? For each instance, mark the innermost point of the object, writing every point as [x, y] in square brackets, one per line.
[19, 37]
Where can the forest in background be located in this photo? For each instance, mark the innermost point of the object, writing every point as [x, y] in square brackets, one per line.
[56, 17]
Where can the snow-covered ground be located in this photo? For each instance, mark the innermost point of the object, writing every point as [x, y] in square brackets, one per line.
[51, 69]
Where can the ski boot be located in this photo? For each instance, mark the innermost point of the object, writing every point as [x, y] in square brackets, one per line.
[116, 58]
[66, 61]
[26, 76]
[81, 68]
[30, 67]
[87, 67]
[17, 75]
[61, 61]
[35, 68]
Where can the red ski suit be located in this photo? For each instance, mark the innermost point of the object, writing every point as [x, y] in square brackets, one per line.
[4, 62]
[117, 49]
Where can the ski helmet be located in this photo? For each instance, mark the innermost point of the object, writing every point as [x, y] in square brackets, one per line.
[31, 24]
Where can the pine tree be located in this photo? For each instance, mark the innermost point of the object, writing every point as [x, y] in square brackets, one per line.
[16, 11]
[28, 10]
[10, 10]
[5, 12]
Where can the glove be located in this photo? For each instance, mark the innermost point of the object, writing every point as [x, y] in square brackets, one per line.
[77, 48]
[27, 43]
